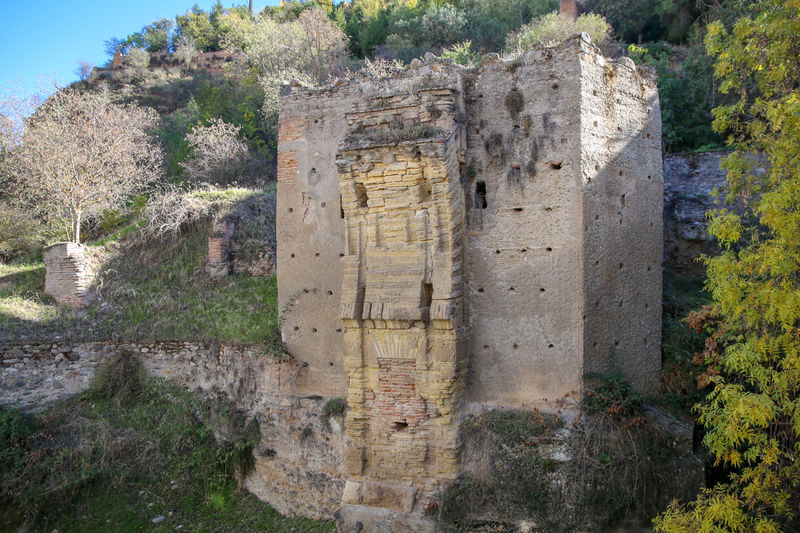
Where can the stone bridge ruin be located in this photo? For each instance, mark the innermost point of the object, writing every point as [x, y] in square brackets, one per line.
[450, 238]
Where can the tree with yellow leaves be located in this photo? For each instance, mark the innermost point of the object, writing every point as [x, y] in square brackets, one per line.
[752, 414]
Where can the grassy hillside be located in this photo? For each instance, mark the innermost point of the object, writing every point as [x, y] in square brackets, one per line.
[131, 454]
[150, 288]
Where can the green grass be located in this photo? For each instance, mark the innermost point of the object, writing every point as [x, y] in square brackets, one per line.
[149, 289]
[96, 464]
[160, 291]
[22, 302]
[118, 235]
[21, 279]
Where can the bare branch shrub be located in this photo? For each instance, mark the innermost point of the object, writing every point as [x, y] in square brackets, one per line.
[84, 70]
[379, 67]
[81, 154]
[171, 208]
[186, 51]
[219, 156]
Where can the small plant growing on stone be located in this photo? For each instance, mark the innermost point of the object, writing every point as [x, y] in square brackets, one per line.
[334, 407]
[462, 53]
[612, 394]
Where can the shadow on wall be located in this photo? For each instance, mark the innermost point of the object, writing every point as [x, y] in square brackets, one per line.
[565, 225]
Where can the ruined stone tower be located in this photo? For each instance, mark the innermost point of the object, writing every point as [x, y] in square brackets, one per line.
[450, 237]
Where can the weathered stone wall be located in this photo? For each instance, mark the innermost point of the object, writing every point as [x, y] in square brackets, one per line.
[310, 235]
[68, 273]
[481, 217]
[402, 291]
[689, 182]
[524, 277]
[298, 462]
[620, 140]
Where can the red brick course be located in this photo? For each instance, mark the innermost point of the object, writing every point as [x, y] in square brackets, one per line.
[287, 165]
[291, 129]
[397, 403]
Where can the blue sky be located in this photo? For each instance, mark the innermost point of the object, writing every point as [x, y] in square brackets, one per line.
[43, 41]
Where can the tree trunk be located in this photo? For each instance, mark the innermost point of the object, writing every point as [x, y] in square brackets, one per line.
[77, 228]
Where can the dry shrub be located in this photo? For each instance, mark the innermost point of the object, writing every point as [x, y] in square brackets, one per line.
[120, 379]
[64, 454]
[378, 68]
[554, 28]
[173, 208]
[523, 466]
[220, 157]
[507, 476]
[625, 464]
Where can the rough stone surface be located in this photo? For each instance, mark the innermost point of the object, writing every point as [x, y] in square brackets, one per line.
[298, 467]
[68, 274]
[689, 183]
[490, 235]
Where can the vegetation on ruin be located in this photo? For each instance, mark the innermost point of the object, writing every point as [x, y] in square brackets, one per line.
[319, 41]
[132, 453]
[612, 464]
[553, 28]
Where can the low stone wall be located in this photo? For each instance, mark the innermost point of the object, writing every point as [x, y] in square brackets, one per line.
[299, 458]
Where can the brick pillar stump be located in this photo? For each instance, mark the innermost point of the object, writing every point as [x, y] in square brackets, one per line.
[219, 243]
[68, 274]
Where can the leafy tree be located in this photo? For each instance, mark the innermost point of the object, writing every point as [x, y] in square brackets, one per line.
[752, 414]
[310, 49]
[114, 45]
[633, 20]
[81, 154]
[687, 92]
[157, 36]
[443, 24]
[489, 21]
[196, 24]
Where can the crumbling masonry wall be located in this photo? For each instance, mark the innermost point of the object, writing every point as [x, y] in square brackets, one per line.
[451, 236]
